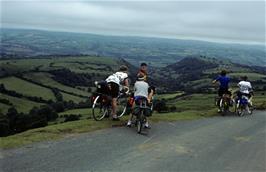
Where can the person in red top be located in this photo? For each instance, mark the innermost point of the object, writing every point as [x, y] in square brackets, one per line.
[143, 71]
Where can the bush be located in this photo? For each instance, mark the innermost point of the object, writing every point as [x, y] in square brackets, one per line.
[49, 112]
[4, 125]
[71, 117]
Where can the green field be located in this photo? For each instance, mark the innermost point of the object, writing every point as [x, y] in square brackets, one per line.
[169, 96]
[27, 88]
[76, 64]
[76, 99]
[4, 108]
[84, 111]
[22, 105]
[251, 76]
[196, 102]
[46, 79]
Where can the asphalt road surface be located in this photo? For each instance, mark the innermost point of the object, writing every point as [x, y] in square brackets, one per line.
[228, 143]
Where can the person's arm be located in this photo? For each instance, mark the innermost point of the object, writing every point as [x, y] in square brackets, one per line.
[126, 82]
[214, 81]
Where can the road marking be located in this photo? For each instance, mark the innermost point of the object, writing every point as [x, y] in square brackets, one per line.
[181, 149]
[170, 123]
[149, 139]
[242, 139]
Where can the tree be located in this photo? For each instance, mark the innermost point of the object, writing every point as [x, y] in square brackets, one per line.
[12, 115]
[4, 125]
[58, 106]
[48, 111]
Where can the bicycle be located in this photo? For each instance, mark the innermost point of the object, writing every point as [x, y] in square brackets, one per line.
[142, 110]
[102, 103]
[224, 103]
[243, 106]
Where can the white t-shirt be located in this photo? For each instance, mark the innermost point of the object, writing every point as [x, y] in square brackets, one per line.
[117, 78]
[244, 87]
[141, 89]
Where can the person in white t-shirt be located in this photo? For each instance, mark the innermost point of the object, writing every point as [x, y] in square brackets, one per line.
[141, 90]
[245, 88]
[115, 83]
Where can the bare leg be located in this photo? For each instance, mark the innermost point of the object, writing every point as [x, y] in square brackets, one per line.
[131, 115]
[150, 96]
[114, 107]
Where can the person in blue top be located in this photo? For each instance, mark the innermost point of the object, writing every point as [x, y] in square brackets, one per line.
[224, 84]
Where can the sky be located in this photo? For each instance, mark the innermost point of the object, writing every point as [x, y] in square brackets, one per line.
[218, 21]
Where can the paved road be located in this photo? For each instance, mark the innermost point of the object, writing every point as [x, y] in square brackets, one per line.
[213, 144]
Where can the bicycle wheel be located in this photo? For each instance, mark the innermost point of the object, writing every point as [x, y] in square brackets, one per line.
[240, 110]
[121, 106]
[139, 122]
[251, 110]
[222, 107]
[98, 109]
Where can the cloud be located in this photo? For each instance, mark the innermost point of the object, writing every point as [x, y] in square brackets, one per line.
[218, 21]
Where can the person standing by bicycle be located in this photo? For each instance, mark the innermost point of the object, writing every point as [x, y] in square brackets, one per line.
[115, 83]
[224, 85]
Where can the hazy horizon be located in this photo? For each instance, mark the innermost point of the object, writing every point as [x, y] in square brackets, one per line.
[220, 21]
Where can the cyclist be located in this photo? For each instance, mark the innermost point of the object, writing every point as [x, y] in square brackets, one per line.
[115, 83]
[224, 85]
[245, 88]
[141, 89]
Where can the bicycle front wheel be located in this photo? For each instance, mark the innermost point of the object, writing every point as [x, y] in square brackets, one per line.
[98, 109]
[121, 106]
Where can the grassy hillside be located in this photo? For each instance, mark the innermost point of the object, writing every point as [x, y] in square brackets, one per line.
[196, 73]
[51, 78]
[26, 88]
[46, 79]
[21, 104]
[68, 97]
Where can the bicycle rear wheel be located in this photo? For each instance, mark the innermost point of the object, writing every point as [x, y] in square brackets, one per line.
[250, 109]
[140, 122]
[99, 111]
[223, 107]
[240, 110]
[139, 126]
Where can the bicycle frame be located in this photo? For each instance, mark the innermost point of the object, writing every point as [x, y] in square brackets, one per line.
[242, 105]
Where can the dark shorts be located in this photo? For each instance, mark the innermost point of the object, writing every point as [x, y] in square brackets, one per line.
[239, 94]
[113, 89]
[223, 91]
[110, 89]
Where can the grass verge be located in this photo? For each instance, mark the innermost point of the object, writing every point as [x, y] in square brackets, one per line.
[58, 131]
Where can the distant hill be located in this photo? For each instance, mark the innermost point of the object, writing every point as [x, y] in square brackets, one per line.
[156, 51]
[196, 73]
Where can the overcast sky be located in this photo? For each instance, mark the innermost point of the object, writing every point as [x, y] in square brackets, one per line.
[225, 21]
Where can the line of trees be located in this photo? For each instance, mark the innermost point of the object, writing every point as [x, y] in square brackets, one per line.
[13, 122]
